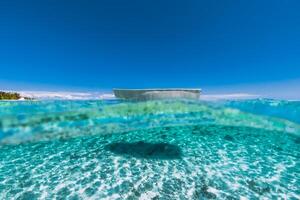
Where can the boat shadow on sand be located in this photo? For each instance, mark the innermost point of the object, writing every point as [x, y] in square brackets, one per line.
[145, 150]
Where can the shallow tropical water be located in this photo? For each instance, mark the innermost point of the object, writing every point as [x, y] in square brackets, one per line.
[144, 150]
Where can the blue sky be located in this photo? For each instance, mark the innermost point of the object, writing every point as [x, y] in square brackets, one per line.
[100, 44]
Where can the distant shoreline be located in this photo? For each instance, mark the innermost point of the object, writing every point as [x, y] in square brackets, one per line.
[13, 96]
[108, 95]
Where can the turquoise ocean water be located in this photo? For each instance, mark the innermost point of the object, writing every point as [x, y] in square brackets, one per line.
[247, 149]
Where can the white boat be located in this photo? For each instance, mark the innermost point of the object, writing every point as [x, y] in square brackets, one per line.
[157, 93]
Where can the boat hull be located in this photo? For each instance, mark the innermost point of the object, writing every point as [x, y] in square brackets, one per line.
[153, 94]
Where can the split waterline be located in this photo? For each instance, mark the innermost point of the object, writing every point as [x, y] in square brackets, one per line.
[157, 149]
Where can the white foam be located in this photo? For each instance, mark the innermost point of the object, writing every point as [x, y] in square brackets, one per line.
[66, 95]
[234, 96]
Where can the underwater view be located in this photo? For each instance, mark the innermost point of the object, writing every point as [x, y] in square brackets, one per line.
[111, 149]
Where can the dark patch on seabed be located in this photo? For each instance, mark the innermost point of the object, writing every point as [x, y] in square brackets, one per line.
[229, 138]
[146, 150]
[297, 140]
[203, 193]
[259, 188]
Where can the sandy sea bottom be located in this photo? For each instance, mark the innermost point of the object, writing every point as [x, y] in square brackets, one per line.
[181, 151]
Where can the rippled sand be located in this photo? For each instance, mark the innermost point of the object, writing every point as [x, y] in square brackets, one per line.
[158, 150]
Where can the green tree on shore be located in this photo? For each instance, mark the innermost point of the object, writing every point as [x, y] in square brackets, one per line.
[9, 96]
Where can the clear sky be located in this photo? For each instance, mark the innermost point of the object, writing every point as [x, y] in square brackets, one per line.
[149, 43]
